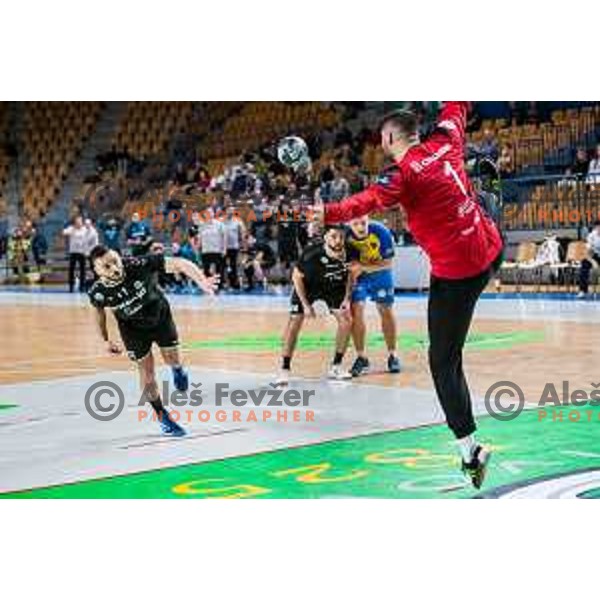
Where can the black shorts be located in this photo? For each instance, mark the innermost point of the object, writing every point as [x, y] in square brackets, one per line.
[334, 298]
[139, 337]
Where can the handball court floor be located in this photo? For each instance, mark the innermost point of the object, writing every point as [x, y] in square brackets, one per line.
[379, 436]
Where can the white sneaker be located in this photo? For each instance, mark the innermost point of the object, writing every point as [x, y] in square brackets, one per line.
[581, 295]
[338, 373]
[283, 377]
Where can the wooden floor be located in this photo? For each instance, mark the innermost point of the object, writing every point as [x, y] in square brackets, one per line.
[51, 356]
[43, 340]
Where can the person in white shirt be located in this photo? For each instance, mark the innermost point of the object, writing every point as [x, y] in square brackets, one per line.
[593, 244]
[234, 232]
[549, 252]
[77, 236]
[213, 242]
[593, 176]
[92, 238]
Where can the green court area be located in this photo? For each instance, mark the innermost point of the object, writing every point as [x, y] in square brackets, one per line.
[407, 341]
[412, 463]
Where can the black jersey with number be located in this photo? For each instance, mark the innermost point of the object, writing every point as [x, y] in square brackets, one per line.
[324, 275]
[137, 299]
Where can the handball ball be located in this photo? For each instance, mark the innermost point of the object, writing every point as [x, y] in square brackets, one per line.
[292, 152]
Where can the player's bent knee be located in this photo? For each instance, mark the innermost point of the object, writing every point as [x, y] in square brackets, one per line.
[296, 320]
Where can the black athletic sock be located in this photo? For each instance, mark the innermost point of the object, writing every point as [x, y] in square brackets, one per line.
[157, 405]
[337, 359]
[286, 362]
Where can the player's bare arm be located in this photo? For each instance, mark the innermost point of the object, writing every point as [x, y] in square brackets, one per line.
[345, 307]
[380, 265]
[182, 266]
[298, 281]
[112, 346]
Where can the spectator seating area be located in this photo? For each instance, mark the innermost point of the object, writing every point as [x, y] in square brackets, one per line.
[190, 155]
[537, 145]
[553, 203]
[148, 127]
[52, 139]
[529, 272]
[258, 123]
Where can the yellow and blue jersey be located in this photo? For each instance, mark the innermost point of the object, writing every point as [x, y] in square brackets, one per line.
[378, 245]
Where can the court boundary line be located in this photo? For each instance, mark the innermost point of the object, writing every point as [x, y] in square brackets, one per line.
[222, 459]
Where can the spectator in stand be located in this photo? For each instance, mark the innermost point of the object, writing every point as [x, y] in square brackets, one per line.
[111, 234]
[139, 236]
[259, 259]
[123, 158]
[39, 247]
[260, 226]
[506, 165]
[18, 254]
[213, 243]
[326, 178]
[77, 236]
[203, 180]
[190, 250]
[235, 232]
[92, 237]
[488, 148]
[340, 188]
[581, 164]
[180, 177]
[593, 174]
[549, 252]
[593, 244]
[343, 137]
[287, 235]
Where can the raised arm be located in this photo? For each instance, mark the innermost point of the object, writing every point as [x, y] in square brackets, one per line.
[383, 195]
[453, 119]
[189, 269]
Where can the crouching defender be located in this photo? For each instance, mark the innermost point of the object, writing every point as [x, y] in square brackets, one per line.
[128, 286]
[321, 274]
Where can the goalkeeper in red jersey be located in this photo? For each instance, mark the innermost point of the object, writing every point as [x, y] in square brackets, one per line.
[428, 179]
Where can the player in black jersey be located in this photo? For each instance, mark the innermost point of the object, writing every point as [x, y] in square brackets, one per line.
[128, 286]
[321, 274]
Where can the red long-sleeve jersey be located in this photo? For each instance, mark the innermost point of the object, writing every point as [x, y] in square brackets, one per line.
[431, 184]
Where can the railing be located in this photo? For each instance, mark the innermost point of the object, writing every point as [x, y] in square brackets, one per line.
[550, 203]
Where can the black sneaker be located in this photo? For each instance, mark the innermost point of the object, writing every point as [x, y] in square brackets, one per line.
[360, 367]
[393, 364]
[477, 468]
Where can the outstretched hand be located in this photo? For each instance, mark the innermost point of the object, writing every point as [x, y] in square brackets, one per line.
[319, 209]
[210, 284]
[113, 348]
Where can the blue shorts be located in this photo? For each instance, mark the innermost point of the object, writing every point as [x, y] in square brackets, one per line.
[379, 287]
